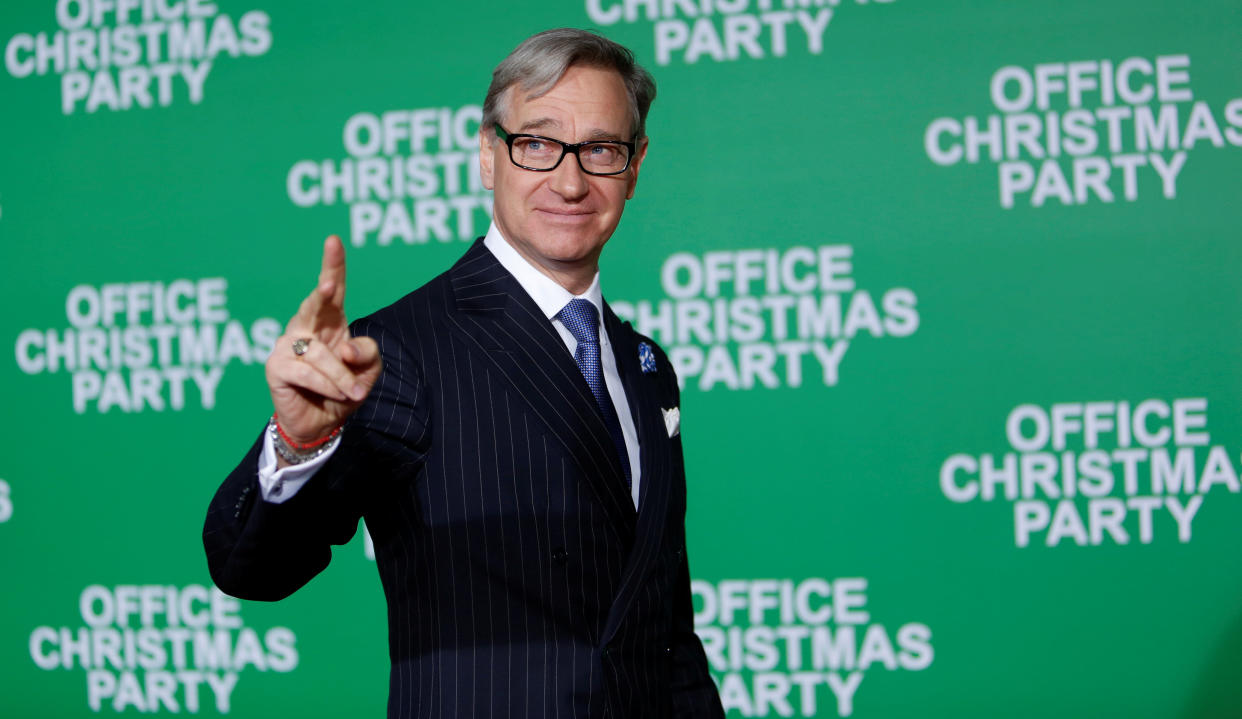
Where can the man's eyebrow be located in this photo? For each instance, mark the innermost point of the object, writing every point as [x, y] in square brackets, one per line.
[597, 134]
[543, 123]
[539, 124]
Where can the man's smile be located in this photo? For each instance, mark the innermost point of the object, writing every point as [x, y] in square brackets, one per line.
[564, 214]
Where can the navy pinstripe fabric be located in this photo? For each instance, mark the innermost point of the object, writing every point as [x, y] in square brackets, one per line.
[520, 581]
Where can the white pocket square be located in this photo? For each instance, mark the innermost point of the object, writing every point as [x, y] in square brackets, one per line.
[672, 421]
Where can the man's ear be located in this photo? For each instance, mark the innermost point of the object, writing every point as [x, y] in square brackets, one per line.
[486, 141]
[640, 154]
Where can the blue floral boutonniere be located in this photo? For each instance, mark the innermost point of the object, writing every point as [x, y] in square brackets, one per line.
[646, 358]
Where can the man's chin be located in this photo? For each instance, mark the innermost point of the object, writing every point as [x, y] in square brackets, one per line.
[567, 244]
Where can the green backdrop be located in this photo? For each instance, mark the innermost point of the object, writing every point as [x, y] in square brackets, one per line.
[952, 288]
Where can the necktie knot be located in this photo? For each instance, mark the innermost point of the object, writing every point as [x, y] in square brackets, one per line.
[582, 320]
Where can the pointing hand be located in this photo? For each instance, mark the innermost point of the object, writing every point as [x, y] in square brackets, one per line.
[316, 391]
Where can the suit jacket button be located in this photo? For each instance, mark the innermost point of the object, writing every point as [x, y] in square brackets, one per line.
[559, 555]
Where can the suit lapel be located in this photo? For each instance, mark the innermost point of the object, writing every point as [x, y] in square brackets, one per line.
[499, 317]
[641, 395]
[641, 392]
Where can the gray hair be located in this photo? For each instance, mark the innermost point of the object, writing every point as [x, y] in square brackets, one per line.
[543, 58]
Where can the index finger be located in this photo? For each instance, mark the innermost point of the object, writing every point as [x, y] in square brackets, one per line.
[326, 303]
[332, 272]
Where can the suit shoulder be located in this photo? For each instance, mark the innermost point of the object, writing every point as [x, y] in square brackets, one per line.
[427, 306]
[419, 309]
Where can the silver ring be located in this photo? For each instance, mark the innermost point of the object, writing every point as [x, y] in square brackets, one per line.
[301, 345]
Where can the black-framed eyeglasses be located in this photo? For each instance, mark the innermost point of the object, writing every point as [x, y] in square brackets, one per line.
[544, 154]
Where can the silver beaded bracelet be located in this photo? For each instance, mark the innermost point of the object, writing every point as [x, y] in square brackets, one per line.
[294, 456]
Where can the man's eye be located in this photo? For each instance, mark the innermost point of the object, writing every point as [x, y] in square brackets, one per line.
[533, 146]
[603, 153]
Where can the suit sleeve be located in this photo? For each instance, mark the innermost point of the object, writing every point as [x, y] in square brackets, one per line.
[694, 693]
[266, 551]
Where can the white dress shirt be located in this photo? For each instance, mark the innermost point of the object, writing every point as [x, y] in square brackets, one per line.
[277, 485]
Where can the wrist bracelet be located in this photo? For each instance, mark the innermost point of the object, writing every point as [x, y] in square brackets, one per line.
[299, 452]
[303, 446]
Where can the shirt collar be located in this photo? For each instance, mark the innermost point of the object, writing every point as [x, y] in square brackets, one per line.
[544, 290]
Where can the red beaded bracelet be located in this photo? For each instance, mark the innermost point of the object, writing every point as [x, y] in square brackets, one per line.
[303, 446]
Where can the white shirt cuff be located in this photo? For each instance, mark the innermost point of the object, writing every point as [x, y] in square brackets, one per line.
[278, 485]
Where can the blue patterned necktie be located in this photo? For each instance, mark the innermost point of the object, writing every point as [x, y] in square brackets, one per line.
[582, 320]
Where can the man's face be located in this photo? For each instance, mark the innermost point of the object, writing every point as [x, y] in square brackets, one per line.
[560, 220]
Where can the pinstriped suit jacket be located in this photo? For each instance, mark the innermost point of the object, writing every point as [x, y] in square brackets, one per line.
[520, 581]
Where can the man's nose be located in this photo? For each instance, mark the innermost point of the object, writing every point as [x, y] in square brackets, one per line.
[568, 180]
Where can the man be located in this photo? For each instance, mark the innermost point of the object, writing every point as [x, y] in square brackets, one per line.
[497, 428]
